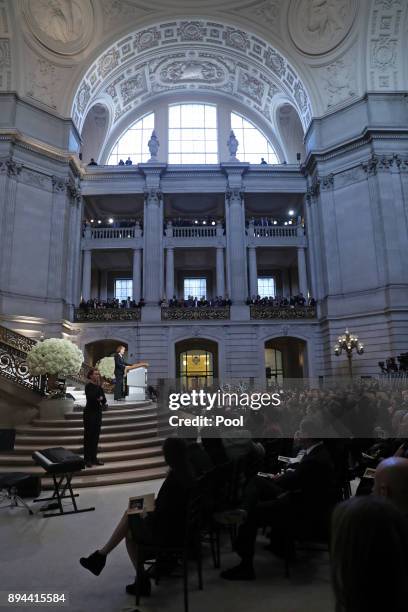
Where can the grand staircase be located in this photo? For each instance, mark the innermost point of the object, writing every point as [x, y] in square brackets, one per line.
[129, 445]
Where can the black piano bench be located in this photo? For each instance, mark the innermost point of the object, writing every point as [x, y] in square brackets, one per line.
[61, 464]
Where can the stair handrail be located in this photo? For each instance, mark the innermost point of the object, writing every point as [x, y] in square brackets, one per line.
[16, 340]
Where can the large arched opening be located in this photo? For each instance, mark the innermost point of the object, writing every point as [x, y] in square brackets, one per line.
[97, 350]
[285, 357]
[196, 363]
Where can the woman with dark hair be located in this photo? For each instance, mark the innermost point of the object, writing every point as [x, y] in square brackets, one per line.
[120, 371]
[164, 526]
[95, 401]
[369, 556]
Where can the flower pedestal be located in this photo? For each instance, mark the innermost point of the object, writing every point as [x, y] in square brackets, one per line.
[55, 408]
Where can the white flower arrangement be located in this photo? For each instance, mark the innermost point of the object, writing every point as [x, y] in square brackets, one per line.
[55, 356]
[106, 367]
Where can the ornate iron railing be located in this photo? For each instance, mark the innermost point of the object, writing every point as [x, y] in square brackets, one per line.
[16, 340]
[13, 367]
[264, 311]
[102, 315]
[201, 313]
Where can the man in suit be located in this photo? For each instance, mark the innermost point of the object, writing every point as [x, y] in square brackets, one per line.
[268, 501]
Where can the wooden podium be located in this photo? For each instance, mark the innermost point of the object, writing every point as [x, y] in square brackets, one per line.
[137, 381]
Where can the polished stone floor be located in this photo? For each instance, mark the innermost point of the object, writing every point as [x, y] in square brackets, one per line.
[42, 554]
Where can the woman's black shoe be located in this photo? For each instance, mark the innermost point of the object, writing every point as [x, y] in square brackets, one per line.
[145, 587]
[94, 563]
[97, 462]
[88, 464]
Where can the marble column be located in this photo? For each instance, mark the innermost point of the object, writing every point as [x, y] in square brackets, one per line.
[236, 248]
[86, 275]
[169, 273]
[302, 275]
[103, 294]
[153, 248]
[253, 271]
[220, 272]
[9, 173]
[137, 272]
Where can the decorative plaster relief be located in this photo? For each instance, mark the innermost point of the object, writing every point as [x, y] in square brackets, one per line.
[63, 26]
[44, 80]
[5, 65]
[384, 45]
[318, 26]
[222, 59]
[339, 81]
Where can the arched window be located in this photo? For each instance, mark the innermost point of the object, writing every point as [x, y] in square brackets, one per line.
[133, 143]
[252, 143]
[193, 134]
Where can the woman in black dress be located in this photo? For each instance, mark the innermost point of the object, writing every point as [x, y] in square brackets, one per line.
[95, 401]
[120, 371]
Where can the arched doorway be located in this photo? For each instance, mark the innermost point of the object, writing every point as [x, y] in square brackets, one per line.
[94, 351]
[285, 358]
[196, 363]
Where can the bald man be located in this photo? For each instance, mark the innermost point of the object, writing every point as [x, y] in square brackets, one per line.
[391, 480]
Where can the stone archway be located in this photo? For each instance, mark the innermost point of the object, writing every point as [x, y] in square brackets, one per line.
[285, 357]
[196, 362]
[96, 350]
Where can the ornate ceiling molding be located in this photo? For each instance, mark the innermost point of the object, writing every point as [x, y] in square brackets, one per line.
[318, 26]
[64, 27]
[190, 55]
[5, 49]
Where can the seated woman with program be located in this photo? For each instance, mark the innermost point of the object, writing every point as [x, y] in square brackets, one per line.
[163, 527]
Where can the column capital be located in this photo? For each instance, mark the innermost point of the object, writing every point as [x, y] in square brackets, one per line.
[153, 195]
[10, 167]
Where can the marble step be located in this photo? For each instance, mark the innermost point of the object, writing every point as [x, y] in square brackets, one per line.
[125, 445]
[115, 412]
[19, 458]
[111, 467]
[62, 432]
[47, 441]
[107, 420]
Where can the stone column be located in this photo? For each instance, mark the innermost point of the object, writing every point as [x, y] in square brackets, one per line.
[236, 246]
[86, 275]
[253, 271]
[9, 173]
[302, 275]
[170, 273]
[137, 274]
[220, 272]
[57, 272]
[104, 286]
[153, 247]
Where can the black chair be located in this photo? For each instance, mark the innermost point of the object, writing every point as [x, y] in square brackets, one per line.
[151, 555]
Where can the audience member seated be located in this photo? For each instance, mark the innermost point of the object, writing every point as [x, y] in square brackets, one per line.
[128, 162]
[163, 527]
[391, 481]
[265, 503]
[121, 162]
[92, 162]
[369, 556]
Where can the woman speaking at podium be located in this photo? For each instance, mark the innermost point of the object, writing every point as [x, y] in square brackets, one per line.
[121, 368]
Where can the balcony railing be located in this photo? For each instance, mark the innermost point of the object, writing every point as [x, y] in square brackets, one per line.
[195, 232]
[201, 313]
[278, 231]
[111, 233]
[103, 315]
[265, 311]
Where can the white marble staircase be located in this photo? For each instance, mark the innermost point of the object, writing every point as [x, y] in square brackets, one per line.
[129, 446]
